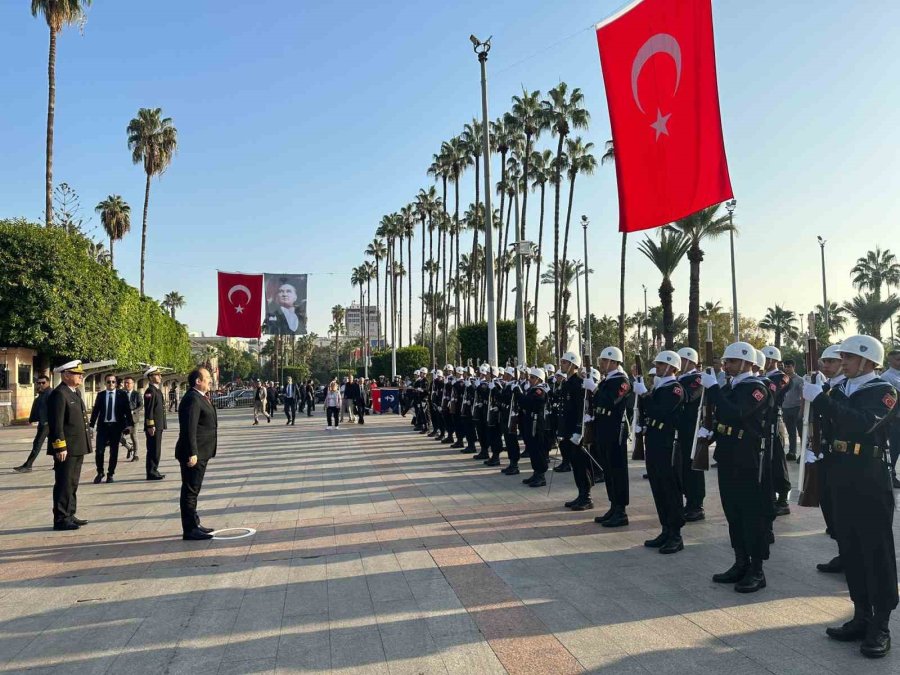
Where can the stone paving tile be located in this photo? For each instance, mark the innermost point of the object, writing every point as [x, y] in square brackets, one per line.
[379, 550]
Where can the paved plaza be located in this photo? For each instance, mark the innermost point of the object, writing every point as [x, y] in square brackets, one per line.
[378, 550]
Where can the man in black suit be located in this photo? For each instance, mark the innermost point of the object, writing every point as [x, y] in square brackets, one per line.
[38, 416]
[310, 398]
[154, 422]
[136, 405]
[290, 400]
[69, 443]
[196, 445]
[271, 399]
[111, 416]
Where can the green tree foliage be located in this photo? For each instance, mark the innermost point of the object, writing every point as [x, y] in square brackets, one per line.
[408, 359]
[299, 373]
[235, 364]
[473, 342]
[56, 299]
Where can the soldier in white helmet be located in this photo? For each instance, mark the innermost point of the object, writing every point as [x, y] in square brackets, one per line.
[510, 401]
[830, 367]
[741, 418]
[781, 481]
[859, 412]
[693, 482]
[435, 394]
[533, 404]
[571, 420]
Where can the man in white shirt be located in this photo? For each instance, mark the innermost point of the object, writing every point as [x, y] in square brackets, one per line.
[111, 416]
[290, 401]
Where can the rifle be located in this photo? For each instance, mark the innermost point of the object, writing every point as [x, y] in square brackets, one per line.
[700, 451]
[809, 473]
[512, 422]
[638, 437]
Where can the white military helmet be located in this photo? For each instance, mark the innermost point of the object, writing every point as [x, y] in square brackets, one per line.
[595, 375]
[549, 368]
[865, 346]
[689, 353]
[495, 371]
[460, 370]
[510, 371]
[572, 358]
[760, 359]
[741, 350]
[668, 357]
[772, 353]
[612, 354]
[483, 369]
[449, 367]
[538, 373]
[832, 352]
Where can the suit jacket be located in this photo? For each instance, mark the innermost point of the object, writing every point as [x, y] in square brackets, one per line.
[134, 399]
[66, 418]
[197, 424]
[276, 324]
[260, 394]
[120, 404]
[154, 408]
[353, 392]
[39, 408]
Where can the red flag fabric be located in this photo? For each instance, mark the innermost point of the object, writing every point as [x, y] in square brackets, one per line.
[659, 68]
[240, 305]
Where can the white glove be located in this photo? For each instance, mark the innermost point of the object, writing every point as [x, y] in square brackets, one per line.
[640, 388]
[576, 438]
[638, 429]
[587, 418]
[589, 384]
[708, 380]
[704, 433]
[490, 385]
[810, 457]
[811, 391]
[820, 379]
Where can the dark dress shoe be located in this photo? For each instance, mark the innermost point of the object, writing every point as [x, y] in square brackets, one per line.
[525, 454]
[606, 516]
[658, 541]
[22, 469]
[530, 478]
[135, 458]
[65, 525]
[158, 476]
[694, 515]
[619, 519]
[482, 455]
[78, 521]
[673, 545]
[754, 580]
[572, 503]
[895, 482]
[449, 439]
[782, 508]
[109, 479]
[585, 505]
[458, 444]
[833, 566]
[205, 529]
[565, 467]
[98, 478]
[511, 470]
[493, 461]
[791, 457]
[196, 535]
[733, 574]
[538, 482]
[853, 630]
[878, 637]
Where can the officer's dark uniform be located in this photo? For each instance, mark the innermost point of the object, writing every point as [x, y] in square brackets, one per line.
[435, 394]
[479, 418]
[449, 422]
[693, 482]
[494, 432]
[609, 405]
[510, 402]
[456, 404]
[68, 431]
[741, 412]
[468, 421]
[154, 418]
[781, 481]
[555, 413]
[420, 397]
[863, 504]
[534, 404]
[826, 434]
[571, 420]
[661, 411]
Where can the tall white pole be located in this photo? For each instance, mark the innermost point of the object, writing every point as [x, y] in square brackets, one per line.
[520, 295]
[587, 294]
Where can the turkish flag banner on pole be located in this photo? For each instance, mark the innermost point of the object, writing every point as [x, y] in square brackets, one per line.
[659, 67]
[240, 305]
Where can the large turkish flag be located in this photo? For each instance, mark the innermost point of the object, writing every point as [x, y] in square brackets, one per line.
[240, 305]
[659, 67]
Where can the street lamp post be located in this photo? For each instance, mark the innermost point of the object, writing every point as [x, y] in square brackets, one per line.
[482, 49]
[587, 297]
[730, 206]
[824, 289]
[520, 248]
[578, 273]
[646, 321]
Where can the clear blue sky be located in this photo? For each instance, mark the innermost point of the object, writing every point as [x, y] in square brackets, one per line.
[300, 124]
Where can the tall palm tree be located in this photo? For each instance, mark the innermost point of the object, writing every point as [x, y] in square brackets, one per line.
[876, 269]
[530, 118]
[358, 277]
[152, 140]
[115, 216]
[172, 301]
[58, 14]
[539, 164]
[425, 200]
[564, 112]
[871, 312]
[337, 326]
[666, 256]
[378, 251]
[581, 161]
[710, 310]
[371, 273]
[704, 224]
[837, 316]
[458, 158]
[781, 322]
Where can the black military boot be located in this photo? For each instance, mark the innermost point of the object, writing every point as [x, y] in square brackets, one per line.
[526, 481]
[659, 540]
[493, 461]
[736, 572]
[781, 506]
[878, 637]
[511, 470]
[606, 516]
[833, 566]
[458, 444]
[674, 544]
[753, 580]
[573, 502]
[538, 481]
[693, 515]
[481, 455]
[618, 519]
[563, 467]
[448, 439]
[583, 504]
[855, 629]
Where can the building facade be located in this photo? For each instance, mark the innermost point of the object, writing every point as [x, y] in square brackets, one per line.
[354, 316]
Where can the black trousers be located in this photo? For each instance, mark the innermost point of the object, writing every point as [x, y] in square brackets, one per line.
[693, 482]
[310, 406]
[437, 419]
[65, 487]
[333, 414]
[614, 460]
[793, 424]
[781, 482]
[495, 440]
[894, 440]
[824, 466]
[747, 505]
[360, 409]
[481, 432]
[191, 482]
[664, 471]
[538, 452]
[108, 434]
[449, 424]
[581, 466]
[40, 437]
[154, 449]
[290, 409]
[512, 448]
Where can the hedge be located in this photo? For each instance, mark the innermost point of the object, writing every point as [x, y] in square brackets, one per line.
[473, 342]
[408, 359]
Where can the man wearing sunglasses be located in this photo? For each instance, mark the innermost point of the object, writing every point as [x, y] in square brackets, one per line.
[111, 417]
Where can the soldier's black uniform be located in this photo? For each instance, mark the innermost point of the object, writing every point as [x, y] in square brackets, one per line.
[446, 411]
[68, 431]
[420, 400]
[533, 416]
[661, 410]
[479, 418]
[456, 405]
[863, 504]
[510, 402]
[741, 415]
[435, 395]
[494, 432]
[571, 420]
[781, 481]
[693, 482]
[154, 418]
[555, 414]
[826, 433]
[609, 404]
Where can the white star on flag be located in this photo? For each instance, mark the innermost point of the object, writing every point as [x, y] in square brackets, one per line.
[660, 124]
[239, 309]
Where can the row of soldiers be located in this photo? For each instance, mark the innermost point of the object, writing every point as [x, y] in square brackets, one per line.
[589, 415]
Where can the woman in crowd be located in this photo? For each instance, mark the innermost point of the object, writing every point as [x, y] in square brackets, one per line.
[333, 404]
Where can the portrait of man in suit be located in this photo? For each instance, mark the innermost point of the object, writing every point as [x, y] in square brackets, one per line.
[285, 304]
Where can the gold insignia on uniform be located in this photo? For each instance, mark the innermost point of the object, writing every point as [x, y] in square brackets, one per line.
[59, 444]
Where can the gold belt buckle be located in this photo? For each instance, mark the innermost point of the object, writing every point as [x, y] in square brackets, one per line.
[840, 446]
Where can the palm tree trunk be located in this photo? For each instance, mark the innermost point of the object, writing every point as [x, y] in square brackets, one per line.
[112, 260]
[368, 303]
[504, 273]
[400, 306]
[444, 288]
[565, 256]
[456, 218]
[695, 256]
[622, 294]
[409, 285]
[473, 273]
[144, 232]
[556, 267]
[387, 276]
[431, 282]
[377, 299]
[665, 298]
[537, 273]
[51, 114]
